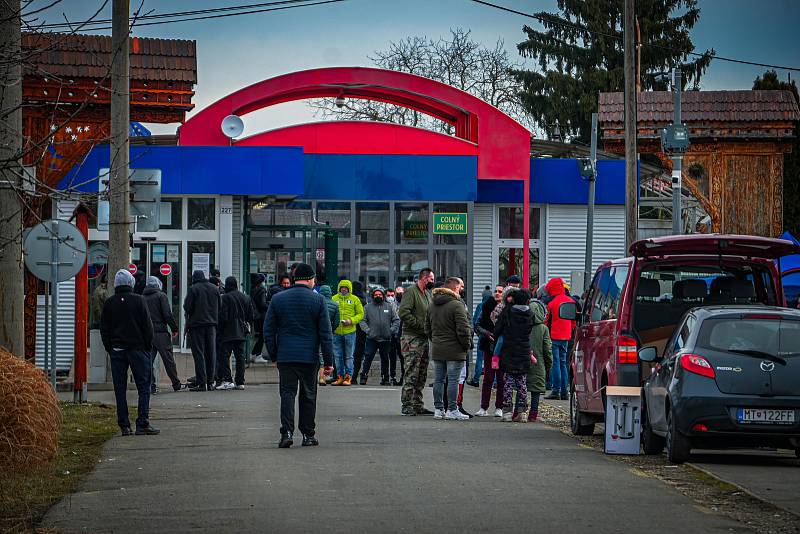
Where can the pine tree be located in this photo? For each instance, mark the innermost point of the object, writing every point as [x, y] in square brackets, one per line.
[791, 161]
[580, 54]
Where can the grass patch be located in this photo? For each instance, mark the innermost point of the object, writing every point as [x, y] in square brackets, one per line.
[26, 497]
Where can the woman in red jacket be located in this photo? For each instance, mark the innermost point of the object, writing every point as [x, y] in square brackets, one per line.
[560, 333]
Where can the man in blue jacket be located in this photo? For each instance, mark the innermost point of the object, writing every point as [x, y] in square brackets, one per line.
[297, 327]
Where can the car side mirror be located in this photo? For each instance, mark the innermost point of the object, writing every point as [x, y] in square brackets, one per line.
[648, 354]
[568, 311]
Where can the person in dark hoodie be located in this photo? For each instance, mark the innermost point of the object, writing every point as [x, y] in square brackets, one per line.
[258, 294]
[163, 323]
[514, 325]
[361, 336]
[333, 313]
[201, 307]
[127, 334]
[140, 281]
[236, 315]
[448, 326]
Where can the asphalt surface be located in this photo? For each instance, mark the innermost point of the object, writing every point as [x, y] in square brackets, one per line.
[216, 468]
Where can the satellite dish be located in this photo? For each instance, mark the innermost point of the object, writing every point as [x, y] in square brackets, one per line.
[232, 126]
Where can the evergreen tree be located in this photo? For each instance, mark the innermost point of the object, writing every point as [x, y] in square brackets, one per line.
[580, 54]
[791, 161]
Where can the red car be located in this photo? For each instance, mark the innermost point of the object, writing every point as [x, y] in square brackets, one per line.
[638, 301]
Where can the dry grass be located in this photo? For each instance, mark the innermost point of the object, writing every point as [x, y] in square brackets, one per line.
[25, 496]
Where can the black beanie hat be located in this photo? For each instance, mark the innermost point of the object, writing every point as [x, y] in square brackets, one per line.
[303, 271]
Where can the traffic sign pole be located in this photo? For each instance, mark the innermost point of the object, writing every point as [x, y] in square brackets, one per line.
[53, 299]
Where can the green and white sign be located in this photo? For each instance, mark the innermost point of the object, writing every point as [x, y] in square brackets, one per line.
[450, 223]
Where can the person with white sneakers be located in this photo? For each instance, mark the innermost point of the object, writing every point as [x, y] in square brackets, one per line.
[236, 317]
[449, 329]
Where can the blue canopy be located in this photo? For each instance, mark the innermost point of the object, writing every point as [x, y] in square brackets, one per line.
[793, 261]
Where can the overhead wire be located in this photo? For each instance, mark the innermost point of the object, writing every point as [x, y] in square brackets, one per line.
[617, 37]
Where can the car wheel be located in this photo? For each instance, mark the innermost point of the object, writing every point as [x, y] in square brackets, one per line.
[575, 415]
[652, 443]
[678, 445]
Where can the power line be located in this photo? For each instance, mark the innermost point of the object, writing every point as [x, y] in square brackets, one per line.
[186, 16]
[617, 37]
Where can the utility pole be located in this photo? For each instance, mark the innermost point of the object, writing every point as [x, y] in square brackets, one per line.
[587, 268]
[677, 159]
[12, 282]
[118, 192]
[631, 163]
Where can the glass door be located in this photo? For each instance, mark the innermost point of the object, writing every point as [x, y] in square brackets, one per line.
[162, 260]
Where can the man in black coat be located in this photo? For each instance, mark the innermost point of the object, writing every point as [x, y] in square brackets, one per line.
[127, 334]
[202, 316]
[163, 323]
[236, 315]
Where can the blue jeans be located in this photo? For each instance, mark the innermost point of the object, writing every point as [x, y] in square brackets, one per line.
[478, 371]
[559, 371]
[453, 370]
[343, 347]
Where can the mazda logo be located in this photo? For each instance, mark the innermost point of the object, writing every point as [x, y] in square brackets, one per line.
[767, 366]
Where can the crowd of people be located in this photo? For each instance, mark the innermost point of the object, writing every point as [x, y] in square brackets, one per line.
[318, 338]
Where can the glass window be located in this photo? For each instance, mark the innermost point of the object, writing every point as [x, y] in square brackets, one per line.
[408, 264]
[450, 263]
[511, 263]
[201, 257]
[767, 335]
[373, 268]
[511, 223]
[450, 239]
[201, 213]
[605, 301]
[259, 212]
[337, 214]
[411, 223]
[372, 223]
[171, 213]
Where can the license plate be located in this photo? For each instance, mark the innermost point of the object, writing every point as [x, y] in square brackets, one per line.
[766, 416]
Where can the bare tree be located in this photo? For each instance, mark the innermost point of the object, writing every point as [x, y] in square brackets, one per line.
[456, 60]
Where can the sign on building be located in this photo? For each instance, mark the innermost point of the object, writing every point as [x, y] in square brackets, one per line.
[450, 223]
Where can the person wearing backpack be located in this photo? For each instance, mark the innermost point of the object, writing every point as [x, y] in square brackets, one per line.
[236, 317]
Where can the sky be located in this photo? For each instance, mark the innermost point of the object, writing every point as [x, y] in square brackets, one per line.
[238, 51]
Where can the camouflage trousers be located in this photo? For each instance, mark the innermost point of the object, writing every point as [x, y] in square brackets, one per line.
[416, 358]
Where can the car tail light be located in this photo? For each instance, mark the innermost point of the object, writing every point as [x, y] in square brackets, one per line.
[697, 365]
[762, 317]
[700, 427]
[627, 350]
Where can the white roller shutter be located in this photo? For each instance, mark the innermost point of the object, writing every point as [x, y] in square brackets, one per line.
[565, 230]
[483, 263]
[236, 239]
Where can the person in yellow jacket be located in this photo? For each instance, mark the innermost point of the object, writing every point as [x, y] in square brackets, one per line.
[351, 313]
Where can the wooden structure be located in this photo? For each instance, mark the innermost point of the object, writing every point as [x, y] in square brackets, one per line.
[734, 167]
[66, 99]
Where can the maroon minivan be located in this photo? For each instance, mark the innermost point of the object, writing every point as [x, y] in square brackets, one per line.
[639, 300]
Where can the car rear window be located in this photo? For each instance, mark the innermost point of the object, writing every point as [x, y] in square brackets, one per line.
[773, 336]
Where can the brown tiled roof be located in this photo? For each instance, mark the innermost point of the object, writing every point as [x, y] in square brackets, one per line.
[89, 56]
[704, 106]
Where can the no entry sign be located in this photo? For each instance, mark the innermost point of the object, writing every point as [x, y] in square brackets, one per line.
[165, 269]
[132, 268]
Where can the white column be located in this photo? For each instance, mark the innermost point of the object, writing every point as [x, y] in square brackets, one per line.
[225, 248]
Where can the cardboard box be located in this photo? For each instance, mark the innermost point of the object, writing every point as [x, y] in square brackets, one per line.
[623, 420]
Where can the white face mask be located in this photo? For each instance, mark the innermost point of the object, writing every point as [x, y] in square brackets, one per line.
[389, 299]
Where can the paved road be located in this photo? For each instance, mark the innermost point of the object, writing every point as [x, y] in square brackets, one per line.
[216, 468]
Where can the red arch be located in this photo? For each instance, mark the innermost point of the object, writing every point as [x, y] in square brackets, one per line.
[503, 144]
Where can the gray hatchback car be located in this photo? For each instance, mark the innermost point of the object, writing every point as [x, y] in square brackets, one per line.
[728, 377]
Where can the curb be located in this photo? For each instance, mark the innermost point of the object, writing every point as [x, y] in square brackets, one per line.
[740, 488]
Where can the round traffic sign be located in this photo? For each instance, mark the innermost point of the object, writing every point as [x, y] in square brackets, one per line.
[55, 250]
[165, 269]
[132, 268]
